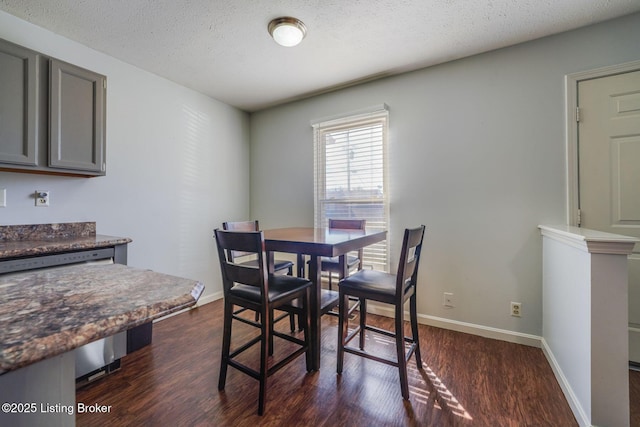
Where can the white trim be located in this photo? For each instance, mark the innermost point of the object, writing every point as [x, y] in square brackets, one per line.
[591, 241]
[469, 328]
[378, 108]
[202, 301]
[210, 298]
[576, 407]
[571, 102]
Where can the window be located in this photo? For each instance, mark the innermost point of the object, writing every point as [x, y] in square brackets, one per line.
[351, 175]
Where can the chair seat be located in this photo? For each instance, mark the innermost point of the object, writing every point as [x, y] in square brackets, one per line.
[278, 265]
[280, 287]
[371, 282]
[333, 263]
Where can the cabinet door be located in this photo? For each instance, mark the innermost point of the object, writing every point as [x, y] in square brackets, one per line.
[18, 104]
[77, 128]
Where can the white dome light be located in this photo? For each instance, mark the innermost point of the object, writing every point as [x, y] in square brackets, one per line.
[287, 31]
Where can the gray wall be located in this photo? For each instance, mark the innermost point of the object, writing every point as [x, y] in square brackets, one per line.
[477, 154]
[170, 151]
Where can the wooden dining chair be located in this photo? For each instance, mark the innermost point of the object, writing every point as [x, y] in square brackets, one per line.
[394, 289]
[252, 287]
[279, 266]
[331, 265]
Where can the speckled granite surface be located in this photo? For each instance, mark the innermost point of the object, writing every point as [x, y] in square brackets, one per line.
[63, 230]
[48, 312]
[41, 239]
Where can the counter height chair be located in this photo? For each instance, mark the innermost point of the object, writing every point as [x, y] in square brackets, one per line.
[253, 287]
[393, 289]
[279, 266]
[331, 265]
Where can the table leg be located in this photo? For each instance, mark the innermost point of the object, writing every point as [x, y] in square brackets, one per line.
[270, 262]
[316, 301]
[300, 265]
[342, 265]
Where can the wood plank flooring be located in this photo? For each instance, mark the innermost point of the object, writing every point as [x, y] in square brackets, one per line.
[634, 397]
[466, 381]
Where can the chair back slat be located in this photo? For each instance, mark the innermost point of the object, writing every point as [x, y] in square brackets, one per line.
[409, 259]
[251, 242]
[347, 224]
[243, 274]
[240, 226]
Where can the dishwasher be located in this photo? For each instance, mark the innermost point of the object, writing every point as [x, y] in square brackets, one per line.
[101, 357]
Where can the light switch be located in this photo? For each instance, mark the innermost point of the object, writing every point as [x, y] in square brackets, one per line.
[3, 197]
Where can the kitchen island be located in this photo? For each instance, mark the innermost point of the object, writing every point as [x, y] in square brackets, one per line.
[46, 314]
[36, 246]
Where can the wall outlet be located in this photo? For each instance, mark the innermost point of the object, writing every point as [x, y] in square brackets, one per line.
[447, 299]
[3, 197]
[42, 198]
[516, 309]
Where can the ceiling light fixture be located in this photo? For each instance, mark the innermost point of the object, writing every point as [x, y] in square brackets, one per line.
[287, 31]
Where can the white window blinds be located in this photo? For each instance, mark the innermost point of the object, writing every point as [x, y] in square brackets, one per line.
[351, 176]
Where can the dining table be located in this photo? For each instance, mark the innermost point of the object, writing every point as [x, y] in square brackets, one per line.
[317, 243]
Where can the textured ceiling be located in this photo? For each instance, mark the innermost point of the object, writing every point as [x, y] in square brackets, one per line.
[222, 48]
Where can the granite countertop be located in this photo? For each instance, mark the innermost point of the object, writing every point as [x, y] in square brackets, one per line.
[41, 239]
[44, 313]
[25, 248]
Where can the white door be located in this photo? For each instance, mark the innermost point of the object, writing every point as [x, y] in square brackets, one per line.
[609, 171]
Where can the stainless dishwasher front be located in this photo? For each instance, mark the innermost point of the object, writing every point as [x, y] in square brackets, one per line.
[101, 357]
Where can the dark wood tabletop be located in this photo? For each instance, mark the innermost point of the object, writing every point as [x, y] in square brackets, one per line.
[320, 241]
[316, 243]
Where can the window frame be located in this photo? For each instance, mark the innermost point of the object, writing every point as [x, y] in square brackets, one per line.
[376, 256]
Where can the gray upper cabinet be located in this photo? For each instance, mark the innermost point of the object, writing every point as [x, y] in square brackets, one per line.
[18, 105]
[76, 120]
[52, 115]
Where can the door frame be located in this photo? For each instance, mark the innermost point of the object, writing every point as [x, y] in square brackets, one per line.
[571, 102]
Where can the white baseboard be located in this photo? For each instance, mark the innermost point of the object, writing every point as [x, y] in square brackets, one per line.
[574, 404]
[209, 298]
[469, 328]
[203, 300]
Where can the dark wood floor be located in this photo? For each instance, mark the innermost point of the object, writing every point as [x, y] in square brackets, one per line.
[634, 397]
[467, 381]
